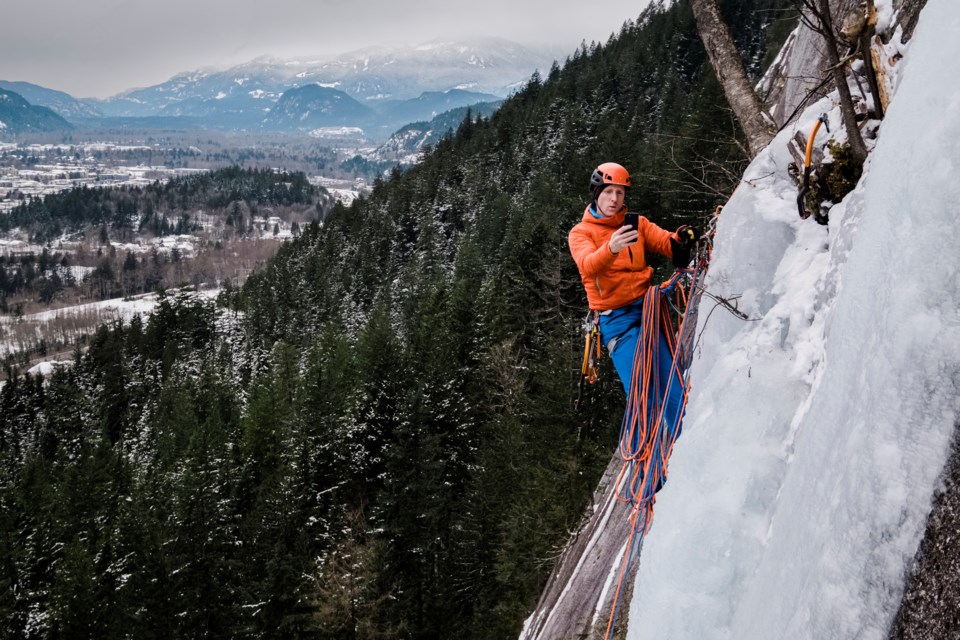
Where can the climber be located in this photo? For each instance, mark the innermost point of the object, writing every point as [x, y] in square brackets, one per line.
[610, 255]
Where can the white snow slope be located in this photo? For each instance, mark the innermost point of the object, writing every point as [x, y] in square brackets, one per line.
[816, 435]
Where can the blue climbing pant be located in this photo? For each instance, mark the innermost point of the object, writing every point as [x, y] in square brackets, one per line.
[624, 326]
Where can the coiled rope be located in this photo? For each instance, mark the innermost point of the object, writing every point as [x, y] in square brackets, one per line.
[646, 436]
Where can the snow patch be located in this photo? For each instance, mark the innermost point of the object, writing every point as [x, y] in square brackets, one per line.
[46, 368]
[335, 132]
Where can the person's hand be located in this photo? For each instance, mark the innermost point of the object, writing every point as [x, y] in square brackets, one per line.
[688, 236]
[682, 247]
[622, 238]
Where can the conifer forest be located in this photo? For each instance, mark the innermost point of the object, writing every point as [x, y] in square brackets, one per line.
[374, 437]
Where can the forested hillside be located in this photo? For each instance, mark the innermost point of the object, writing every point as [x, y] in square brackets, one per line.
[106, 242]
[19, 116]
[374, 439]
[164, 207]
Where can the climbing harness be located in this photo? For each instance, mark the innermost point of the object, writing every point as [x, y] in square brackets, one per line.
[821, 218]
[589, 369]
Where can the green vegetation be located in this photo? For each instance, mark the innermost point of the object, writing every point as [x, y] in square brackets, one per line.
[841, 175]
[833, 179]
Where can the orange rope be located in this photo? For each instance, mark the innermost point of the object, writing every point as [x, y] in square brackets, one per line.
[646, 443]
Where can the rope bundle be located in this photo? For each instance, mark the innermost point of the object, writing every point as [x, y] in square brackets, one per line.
[647, 435]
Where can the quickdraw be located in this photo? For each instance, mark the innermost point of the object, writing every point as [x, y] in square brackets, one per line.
[590, 368]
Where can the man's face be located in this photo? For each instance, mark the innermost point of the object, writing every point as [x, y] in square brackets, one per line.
[610, 200]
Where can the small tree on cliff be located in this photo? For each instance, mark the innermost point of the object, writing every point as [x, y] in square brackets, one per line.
[816, 15]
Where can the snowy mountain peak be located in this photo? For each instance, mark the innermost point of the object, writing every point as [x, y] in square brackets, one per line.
[374, 74]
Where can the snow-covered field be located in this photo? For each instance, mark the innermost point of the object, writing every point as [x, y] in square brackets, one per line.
[336, 132]
[65, 326]
[815, 435]
[345, 191]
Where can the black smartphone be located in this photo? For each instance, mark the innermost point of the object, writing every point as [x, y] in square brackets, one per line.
[632, 219]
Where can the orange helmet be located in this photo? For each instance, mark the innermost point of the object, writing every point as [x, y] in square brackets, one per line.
[609, 173]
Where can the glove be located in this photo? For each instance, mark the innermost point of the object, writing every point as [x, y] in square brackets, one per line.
[688, 236]
[683, 247]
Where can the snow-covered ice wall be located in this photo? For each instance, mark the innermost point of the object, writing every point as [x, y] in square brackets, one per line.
[816, 433]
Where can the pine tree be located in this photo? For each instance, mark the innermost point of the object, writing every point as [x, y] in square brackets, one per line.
[379, 406]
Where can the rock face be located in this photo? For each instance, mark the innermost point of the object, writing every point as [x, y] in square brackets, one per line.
[907, 12]
[798, 75]
[930, 609]
[800, 70]
[576, 601]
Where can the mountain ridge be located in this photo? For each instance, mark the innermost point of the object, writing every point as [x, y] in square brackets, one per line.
[374, 74]
[393, 86]
[60, 102]
[17, 115]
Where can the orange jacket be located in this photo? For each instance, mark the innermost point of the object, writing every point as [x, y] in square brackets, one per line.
[614, 280]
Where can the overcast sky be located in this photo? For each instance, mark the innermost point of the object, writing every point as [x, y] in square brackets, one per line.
[97, 48]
